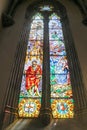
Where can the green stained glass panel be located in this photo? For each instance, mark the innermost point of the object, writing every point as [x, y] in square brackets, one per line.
[46, 8]
[56, 35]
[58, 90]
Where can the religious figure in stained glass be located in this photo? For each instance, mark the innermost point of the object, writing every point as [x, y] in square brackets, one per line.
[31, 86]
[33, 79]
[62, 103]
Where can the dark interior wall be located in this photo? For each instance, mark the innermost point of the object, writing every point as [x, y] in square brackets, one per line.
[7, 7]
[85, 2]
[3, 7]
[9, 38]
[79, 33]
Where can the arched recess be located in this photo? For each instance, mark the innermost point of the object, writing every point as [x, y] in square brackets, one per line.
[17, 69]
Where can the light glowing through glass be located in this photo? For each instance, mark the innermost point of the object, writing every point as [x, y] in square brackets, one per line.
[61, 91]
[31, 85]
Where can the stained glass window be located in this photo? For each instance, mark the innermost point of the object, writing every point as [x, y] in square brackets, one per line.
[31, 86]
[61, 90]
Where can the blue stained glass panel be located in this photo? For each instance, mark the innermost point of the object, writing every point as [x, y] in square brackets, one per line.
[60, 79]
[58, 65]
[55, 24]
[57, 49]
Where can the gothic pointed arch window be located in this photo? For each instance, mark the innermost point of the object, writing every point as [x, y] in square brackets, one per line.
[46, 64]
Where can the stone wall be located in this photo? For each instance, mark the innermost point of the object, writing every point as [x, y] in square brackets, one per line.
[3, 6]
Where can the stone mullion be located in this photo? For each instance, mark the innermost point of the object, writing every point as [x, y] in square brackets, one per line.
[45, 112]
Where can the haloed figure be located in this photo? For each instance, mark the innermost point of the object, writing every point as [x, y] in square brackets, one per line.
[33, 79]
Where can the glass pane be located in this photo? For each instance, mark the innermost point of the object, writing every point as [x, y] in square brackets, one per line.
[54, 17]
[55, 24]
[58, 65]
[60, 86]
[35, 48]
[31, 85]
[33, 61]
[38, 16]
[57, 48]
[61, 89]
[60, 79]
[37, 24]
[36, 34]
[62, 108]
[56, 34]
